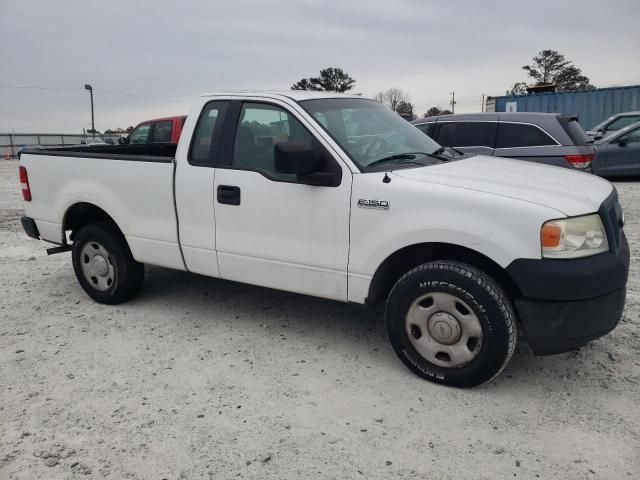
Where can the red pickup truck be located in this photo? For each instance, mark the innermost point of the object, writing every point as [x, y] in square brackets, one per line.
[159, 130]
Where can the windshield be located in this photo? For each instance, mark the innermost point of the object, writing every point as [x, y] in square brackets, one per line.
[616, 122]
[601, 125]
[618, 133]
[370, 132]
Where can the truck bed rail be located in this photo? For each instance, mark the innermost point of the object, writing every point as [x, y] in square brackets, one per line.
[152, 152]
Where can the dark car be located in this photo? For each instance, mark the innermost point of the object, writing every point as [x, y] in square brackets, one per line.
[613, 124]
[550, 138]
[619, 153]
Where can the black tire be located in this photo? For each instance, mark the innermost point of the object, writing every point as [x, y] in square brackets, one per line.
[125, 277]
[489, 304]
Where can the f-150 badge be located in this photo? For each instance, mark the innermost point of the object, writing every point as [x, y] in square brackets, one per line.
[377, 204]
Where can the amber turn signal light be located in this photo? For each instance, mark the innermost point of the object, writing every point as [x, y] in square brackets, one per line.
[550, 235]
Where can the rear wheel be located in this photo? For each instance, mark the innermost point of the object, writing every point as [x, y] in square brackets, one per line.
[451, 323]
[104, 265]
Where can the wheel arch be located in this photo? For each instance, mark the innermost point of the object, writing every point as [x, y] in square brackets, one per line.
[406, 258]
[81, 214]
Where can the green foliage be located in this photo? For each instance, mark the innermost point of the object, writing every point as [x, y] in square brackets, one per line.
[404, 108]
[551, 67]
[330, 80]
[434, 111]
[519, 88]
[117, 130]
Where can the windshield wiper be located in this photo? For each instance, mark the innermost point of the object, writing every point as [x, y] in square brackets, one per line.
[443, 148]
[398, 156]
[439, 154]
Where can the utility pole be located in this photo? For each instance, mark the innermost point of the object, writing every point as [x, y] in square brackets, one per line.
[93, 126]
[482, 110]
[453, 102]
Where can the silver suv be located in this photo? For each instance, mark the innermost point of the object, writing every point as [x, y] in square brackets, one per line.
[551, 138]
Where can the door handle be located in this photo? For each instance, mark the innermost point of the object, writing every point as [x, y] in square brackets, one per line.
[229, 194]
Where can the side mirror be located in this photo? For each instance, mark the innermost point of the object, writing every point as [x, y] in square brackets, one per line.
[123, 140]
[295, 158]
[302, 160]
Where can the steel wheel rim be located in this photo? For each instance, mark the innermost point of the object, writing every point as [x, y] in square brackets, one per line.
[443, 329]
[97, 266]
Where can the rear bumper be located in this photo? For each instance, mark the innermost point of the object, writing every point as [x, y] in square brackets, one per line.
[568, 303]
[30, 227]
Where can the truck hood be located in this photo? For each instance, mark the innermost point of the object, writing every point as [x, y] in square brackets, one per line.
[567, 191]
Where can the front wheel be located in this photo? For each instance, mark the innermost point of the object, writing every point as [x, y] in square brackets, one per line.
[104, 265]
[451, 323]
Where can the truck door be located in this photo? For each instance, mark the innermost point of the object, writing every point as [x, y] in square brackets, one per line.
[272, 230]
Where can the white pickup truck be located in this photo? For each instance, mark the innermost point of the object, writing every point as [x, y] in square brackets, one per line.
[336, 196]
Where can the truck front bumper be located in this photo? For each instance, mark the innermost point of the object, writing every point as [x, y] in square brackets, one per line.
[567, 303]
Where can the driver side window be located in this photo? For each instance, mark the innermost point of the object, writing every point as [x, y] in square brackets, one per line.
[260, 128]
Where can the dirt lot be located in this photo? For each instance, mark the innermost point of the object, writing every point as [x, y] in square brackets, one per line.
[202, 378]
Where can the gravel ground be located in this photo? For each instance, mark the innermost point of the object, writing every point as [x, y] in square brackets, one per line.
[199, 378]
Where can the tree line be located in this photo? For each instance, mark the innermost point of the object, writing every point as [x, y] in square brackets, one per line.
[549, 68]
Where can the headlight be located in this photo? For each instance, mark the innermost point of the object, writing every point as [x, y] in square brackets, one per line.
[573, 237]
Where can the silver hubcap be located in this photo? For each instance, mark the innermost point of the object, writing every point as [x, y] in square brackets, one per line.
[97, 266]
[443, 329]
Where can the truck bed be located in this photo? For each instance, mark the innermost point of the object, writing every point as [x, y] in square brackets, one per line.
[133, 184]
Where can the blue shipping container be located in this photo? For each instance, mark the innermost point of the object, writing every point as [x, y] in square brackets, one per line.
[592, 106]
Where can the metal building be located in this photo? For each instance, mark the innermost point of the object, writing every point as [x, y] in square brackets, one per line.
[592, 106]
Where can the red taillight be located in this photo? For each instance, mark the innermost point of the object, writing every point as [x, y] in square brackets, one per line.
[24, 184]
[580, 161]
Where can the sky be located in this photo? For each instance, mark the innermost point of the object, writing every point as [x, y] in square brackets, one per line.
[153, 58]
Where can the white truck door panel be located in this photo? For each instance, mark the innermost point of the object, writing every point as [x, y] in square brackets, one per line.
[284, 235]
[281, 234]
